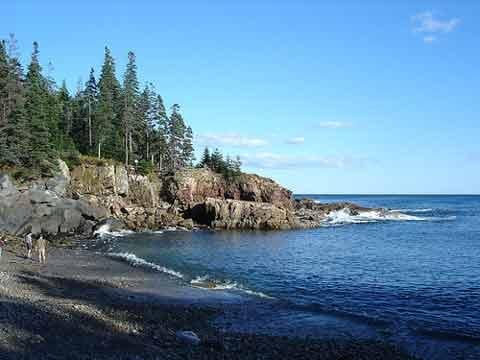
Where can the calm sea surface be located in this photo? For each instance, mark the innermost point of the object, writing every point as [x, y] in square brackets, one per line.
[414, 281]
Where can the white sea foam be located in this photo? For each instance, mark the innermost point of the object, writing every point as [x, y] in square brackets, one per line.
[104, 230]
[205, 282]
[136, 261]
[412, 210]
[345, 216]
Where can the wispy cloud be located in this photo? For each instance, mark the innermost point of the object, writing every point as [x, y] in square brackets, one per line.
[295, 140]
[267, 160]
[429, 39]
[427, 24]
[334, 124]
[230, 139]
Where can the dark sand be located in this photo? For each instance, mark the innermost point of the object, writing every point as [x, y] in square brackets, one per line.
[82, 305]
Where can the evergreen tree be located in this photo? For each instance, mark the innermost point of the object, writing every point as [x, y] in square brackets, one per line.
[42, 154]
[160, 143]
[237, 166]
[4, 76]
[39, 122]
[90, 103]
[15, 134]
[216, 161]
[187, 147]
[65, 123]
[205, 161]
[130, 116]
[176, 136]
[107, 136]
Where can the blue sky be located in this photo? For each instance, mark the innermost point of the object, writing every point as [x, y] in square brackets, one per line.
[323, 96]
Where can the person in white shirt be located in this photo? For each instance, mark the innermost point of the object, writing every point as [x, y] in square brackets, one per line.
[29, 245]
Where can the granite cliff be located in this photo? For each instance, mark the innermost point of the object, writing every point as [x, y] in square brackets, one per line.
[77, 201]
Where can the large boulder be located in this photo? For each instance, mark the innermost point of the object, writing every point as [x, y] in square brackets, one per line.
[45, 211]
[6, 186]
[240, 214]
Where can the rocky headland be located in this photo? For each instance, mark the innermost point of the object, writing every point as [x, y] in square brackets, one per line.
[79, 200]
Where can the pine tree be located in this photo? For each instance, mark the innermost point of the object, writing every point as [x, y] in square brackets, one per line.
[176, 136]
[150, 116]
[107, 136]
[39, 121]
[217, 163]
[205, 161]
[187, 147]
[15, 135]
[90, 96]
[237, 166]
[130, 116]
[160, 144]
[4, 75]
[42, 154]
[65, 142]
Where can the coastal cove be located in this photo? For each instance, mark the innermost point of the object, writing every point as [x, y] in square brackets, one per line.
[401, 282]
[344, 269]
[239, 180]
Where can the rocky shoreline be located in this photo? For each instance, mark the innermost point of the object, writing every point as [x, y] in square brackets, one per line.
[84, 306]
[77, 201]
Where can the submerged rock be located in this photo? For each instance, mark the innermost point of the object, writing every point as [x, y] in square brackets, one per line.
[188, 337]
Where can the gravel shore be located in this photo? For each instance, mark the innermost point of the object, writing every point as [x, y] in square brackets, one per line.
[81, 305]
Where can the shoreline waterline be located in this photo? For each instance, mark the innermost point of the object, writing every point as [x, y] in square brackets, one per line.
[114, 311]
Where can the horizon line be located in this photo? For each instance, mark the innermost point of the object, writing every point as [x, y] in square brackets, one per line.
[384, 194]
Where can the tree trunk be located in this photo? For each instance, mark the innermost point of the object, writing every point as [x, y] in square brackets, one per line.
[126, 148]
[148, 146]
[89, 125]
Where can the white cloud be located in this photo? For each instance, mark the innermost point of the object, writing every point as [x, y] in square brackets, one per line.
[334, 124]
[229, 139]
[427, 23]
[429, 39]
[295, 140]
[267, 160]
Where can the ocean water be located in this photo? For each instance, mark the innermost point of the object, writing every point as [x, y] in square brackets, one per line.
[411, 278]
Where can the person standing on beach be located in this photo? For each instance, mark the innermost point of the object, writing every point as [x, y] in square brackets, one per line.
[41, 245]
[29, 245]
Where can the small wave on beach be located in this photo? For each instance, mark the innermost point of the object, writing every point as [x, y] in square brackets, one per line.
[136, 261]
[206, 282]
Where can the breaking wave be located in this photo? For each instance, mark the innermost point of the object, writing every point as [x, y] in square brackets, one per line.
[104, 230]
[135, 261]
[345, 216]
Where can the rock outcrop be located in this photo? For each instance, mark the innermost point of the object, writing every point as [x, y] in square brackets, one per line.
[239, 214]
[40, 209]
[77, 201]
[130, 197]
[193, 186]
